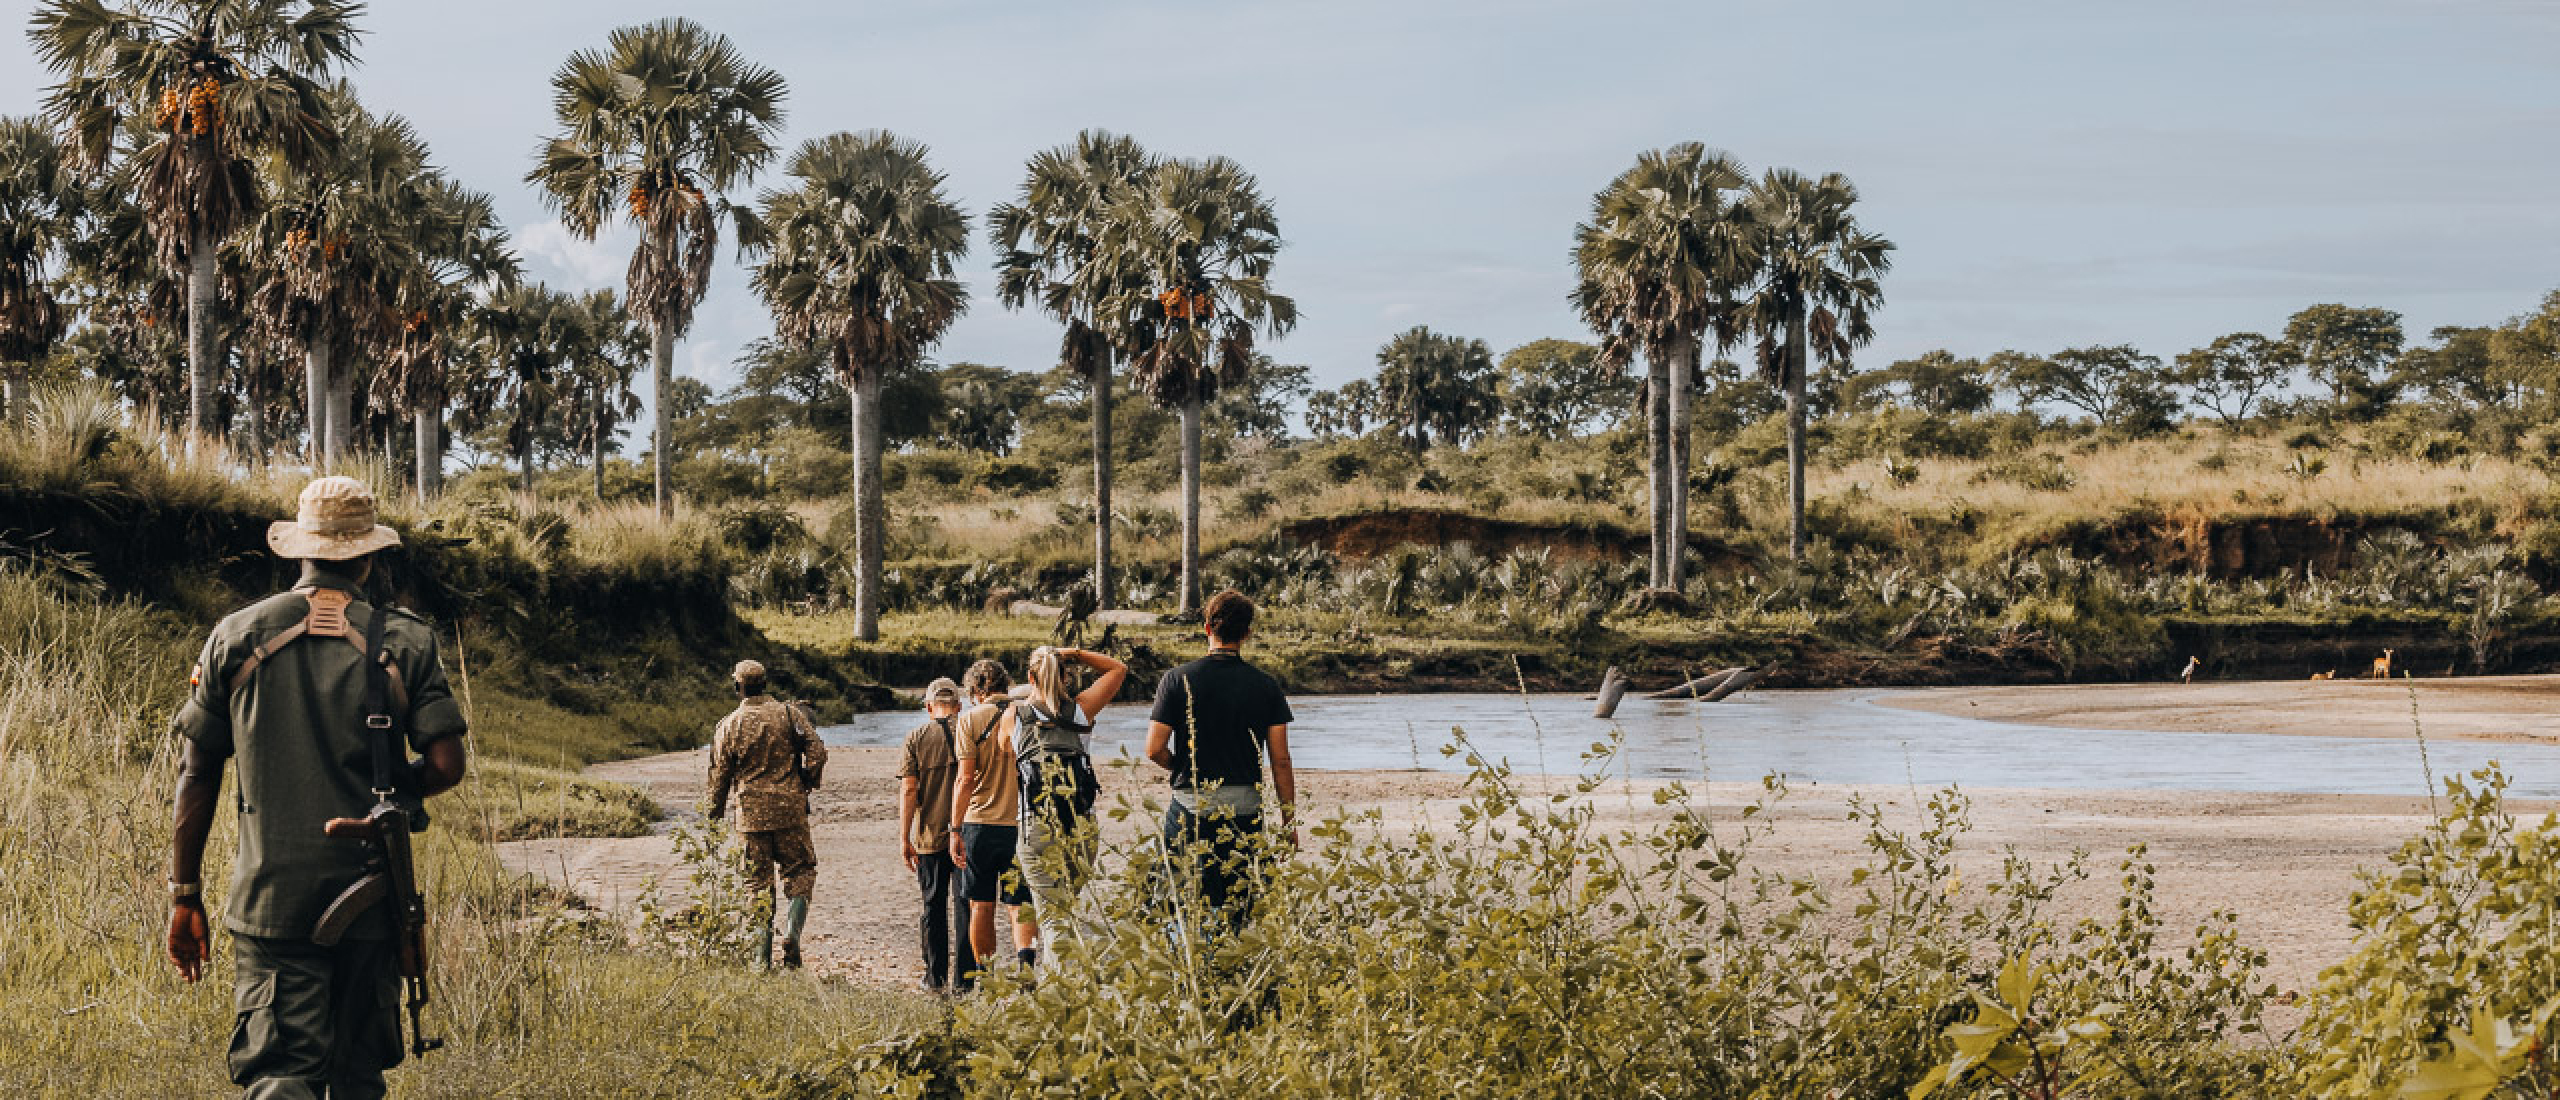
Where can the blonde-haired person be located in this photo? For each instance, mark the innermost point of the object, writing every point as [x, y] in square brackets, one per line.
[1050, 732]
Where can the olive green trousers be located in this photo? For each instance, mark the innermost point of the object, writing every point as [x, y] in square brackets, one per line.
[314, 1022]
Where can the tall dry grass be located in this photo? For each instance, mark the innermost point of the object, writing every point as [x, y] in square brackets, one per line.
[535, 1001]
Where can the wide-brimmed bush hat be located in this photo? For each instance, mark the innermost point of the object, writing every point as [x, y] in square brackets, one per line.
[336, 520]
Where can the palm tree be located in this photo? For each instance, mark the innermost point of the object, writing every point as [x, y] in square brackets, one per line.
[657, 128]
[600, 382]
[524, 339]
[1195, 243]
[224, 83]
[1814, 289]
[40, 204]
[1658, 264]
[458, 255]
[1047, 251]
[324, 259]
[864, 249]
[1438, 383]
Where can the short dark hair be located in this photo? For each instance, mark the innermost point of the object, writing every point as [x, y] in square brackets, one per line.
[1230, 616]
[987, 677]
[751, 683]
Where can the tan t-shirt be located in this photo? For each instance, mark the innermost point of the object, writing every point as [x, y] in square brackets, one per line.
[988, 745]
[929, 761]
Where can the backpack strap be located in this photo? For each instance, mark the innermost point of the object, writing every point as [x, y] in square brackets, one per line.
[382, 732]
[324, 616]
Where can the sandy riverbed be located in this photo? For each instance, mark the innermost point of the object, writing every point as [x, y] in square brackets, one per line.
[2285, 862]
[2487, 708]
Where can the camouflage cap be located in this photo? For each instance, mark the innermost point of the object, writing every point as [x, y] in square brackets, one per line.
[335, 520]
[747, 670]
[942, 690]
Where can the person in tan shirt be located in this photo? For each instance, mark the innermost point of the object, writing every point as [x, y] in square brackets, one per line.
[770, 758]
[925, 774]
[983, 815]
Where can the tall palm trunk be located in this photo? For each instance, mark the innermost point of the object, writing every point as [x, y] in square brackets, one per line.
[15, 392]
[427, 424]
[595, 436]
[315, 403]
[1657, 418]
[202, 351]
[1190, 599]
[524, 460]
[870, 510]
[1675, 558]
[662, 371]
[1795, 435]
[342, 409]
[1102, 482]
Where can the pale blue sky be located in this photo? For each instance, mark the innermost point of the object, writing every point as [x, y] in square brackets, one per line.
[2055, 173]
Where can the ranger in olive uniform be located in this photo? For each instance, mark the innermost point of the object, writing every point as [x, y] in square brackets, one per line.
[768, 754]
[282, 687]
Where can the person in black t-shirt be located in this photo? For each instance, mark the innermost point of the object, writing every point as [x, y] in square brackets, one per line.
[1214, 720]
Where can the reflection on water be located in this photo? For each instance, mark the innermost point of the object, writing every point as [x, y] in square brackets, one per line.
[1828, 737]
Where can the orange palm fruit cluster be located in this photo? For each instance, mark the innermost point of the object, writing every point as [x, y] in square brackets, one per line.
[639, 201]
[417, 320]
[204, 106]
[1183, 305]
[295, 240]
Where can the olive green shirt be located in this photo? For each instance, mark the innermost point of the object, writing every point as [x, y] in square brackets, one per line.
[296, 723]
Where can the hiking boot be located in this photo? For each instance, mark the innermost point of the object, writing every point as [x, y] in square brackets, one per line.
[791, 954]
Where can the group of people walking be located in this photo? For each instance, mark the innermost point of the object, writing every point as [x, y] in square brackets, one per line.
[997, 793]
[336, 712]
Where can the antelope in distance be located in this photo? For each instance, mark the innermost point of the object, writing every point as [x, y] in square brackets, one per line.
[2382, 666]
[2332, 674]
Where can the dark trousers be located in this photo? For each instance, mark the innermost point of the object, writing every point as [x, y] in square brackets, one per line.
[314, 1021]
[942, 910]
[1222, 853]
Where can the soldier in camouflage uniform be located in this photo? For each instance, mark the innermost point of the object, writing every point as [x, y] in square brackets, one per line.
[769, 755]
[281, 688]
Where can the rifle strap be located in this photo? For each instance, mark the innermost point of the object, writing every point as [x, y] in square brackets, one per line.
[380, 730]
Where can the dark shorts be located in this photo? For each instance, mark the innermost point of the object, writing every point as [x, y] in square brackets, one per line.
[991, 875]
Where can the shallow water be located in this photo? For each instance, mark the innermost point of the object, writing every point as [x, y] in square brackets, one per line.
[1828, 737]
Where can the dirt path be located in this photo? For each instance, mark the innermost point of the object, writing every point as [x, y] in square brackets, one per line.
[2285, 862]
[2487, 708]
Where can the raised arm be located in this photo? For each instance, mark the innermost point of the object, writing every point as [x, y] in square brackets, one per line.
[1105, 687]
[1284, 780]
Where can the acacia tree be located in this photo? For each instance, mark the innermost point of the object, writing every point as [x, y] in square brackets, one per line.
[863, 265]
[1555, 389]
[655, 129]
[40, 204]
[1195, 244]
[1814, 289]
[2117, 385]
[1047, 250]
[2347, 349]
[2234, 374]
[1436, 383]
[223, 83]
[1658, 265]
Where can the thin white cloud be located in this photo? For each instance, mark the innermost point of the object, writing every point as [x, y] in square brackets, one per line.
[559, 256]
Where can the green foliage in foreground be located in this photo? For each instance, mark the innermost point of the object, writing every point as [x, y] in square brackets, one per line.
[1522, 950]
[534, 1005]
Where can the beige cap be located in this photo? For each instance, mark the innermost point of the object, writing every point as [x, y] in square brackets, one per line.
[335, 520]
[942, 690]
[747, 670]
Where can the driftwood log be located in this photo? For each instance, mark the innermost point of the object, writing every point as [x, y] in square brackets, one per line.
[1700, 688]
[1613, 687]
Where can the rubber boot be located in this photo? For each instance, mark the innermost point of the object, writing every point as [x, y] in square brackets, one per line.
[794, 916]
[764, 948]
